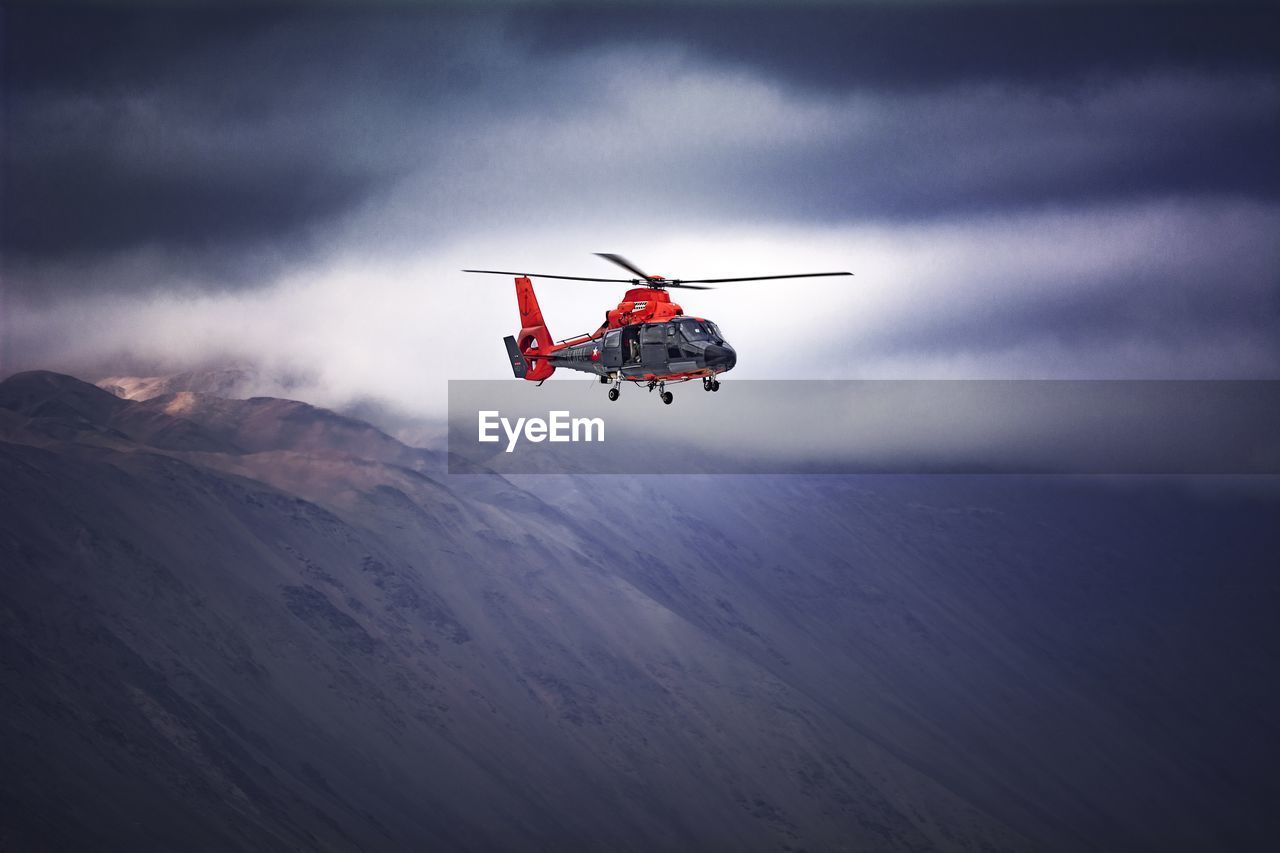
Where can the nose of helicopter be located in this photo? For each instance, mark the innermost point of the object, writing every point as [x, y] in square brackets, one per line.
[721, 357]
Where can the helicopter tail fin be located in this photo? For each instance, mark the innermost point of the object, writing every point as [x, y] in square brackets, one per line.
[534, 335]
[527, 301]
[518, 364]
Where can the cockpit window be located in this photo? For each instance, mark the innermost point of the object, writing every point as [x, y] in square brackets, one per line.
[700, 330]
[695, 331]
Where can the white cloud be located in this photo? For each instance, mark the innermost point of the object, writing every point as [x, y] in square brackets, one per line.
[927, 301]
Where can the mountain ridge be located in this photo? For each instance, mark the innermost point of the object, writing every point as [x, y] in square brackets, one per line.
[308, 637]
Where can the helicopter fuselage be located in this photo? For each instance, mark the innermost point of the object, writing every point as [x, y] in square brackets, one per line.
[646, 338]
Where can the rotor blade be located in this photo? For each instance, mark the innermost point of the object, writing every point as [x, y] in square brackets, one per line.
[682, 284]
[763, 277]
[624, 263]
[541, 275]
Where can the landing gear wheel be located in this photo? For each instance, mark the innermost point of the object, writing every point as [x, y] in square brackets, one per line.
[706, 383]
[715, 384]
[604, 380]
[613, 393]
[667, 397]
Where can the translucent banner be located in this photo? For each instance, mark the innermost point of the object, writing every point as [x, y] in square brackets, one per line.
[867, 426]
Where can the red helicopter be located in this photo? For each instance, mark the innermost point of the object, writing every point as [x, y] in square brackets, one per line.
[647, 338]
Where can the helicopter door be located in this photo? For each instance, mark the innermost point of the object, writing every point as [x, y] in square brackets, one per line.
[631, 345]
[653, 348]
[613, 348]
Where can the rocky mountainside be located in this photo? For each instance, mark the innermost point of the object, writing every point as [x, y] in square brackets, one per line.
[255, 624]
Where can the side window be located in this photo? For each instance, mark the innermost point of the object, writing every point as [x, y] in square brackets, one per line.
[673, 342]
[613, 338]
[651, 334]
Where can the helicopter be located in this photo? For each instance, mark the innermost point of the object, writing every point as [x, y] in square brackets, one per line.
[647, 339]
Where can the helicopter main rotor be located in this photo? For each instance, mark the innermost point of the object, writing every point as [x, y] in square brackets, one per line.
[657, 281]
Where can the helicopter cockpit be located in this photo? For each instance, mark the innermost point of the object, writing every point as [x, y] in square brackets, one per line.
[682, 339]
[699, 330]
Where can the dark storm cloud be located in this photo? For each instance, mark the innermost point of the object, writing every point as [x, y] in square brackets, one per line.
[925, 45]
[206, 132]
[210, 133]
[950, 160]
[989, 148]
[79, 200]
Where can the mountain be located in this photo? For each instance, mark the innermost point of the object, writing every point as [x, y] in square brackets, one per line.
[256, 624]
[223, 382]
[236, 382]
[42, 407]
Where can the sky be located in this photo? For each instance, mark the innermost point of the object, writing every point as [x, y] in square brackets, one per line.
[1029, 191]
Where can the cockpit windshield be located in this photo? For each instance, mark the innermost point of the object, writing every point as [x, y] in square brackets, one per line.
[700, 330]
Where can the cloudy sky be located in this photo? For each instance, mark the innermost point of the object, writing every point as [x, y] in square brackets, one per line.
[1022, 191]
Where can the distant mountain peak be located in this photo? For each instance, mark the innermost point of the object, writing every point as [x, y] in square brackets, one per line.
[44, 393]
[46, 379]
[54, 406]
[231, 382]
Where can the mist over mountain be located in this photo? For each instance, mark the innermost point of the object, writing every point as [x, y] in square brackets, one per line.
[249, 381]
[257, 624]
